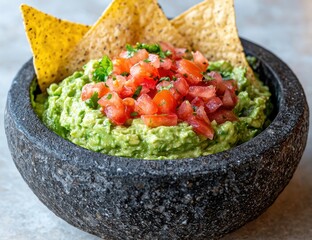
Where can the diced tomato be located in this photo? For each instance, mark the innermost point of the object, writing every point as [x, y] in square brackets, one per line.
[127, 90]
[164, 85]
[113, 108]
[168, 47]
[144, 90]
[116, 83]
[217, 82]
[165, 102]
[152, 92]
[201, 127]
[227, 99]
[191, 72]
[204, 92]
[129, 104]
[197, 102]
[144, 74]
[185, 110]
[89, 89]
[165, 72]
[121, 66]
[160, 120]
[216, 76]
[202, 115]
[140, 55]
[154, 60]
[144, 105]
[181, 86]
[231, 85]
[166, 63]
[222, 115]
[124, 54]
[176, 53]
[179, 53]
[213, 104]
[200, 61]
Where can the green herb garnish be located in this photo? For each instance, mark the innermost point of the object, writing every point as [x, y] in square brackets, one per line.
[104, 69]
[134, 114]
[125, 74]
[109, 96]
[151, 48]
[93, 101]
[137, 92]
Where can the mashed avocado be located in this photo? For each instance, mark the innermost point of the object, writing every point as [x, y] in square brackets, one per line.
[63, 111]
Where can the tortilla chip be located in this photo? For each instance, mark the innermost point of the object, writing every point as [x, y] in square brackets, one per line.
[123, 22]
[210, 27]
[50, 39]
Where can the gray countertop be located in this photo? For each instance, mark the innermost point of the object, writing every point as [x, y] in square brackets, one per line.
[282, 26]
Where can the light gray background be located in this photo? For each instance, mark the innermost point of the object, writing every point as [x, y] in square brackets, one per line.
[282, 26]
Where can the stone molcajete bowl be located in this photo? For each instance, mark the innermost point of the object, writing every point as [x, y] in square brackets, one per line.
[123, 198]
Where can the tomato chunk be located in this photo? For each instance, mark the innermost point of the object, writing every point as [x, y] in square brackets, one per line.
[200, 61]
[121, 66]
[213, 104]
[144, 105]
[144, 74]
[160, 120]
[181, 87]
[227, 99]
[166, 63]
[129, 104]
[204, 92]
[165, 102]
[140, 55]
[202, 115]
[154, 60]
[185, 110]
[113, 108]
[191, 72]
[116, 83]
[89, 89]
[201, 127]
[222, 115]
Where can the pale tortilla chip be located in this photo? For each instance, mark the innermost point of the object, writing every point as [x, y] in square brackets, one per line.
[123, 22]
[50, 39]
[210, 27]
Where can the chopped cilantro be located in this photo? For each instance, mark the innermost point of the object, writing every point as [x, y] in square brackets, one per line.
[146, 60]
[134, 114]
[109, 96]
[125, 74]
[151, 48]
[137, 92]
[104, 69]
[93, 101]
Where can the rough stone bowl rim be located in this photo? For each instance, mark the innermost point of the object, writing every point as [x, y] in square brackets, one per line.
[113, 165]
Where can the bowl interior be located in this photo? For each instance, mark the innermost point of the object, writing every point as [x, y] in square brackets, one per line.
[270, 70]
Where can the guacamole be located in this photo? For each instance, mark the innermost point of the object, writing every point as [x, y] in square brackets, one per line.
[63, 111]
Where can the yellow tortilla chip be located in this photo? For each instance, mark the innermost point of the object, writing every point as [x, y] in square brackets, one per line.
[210, 27]
[123, 22]
[50, 39]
